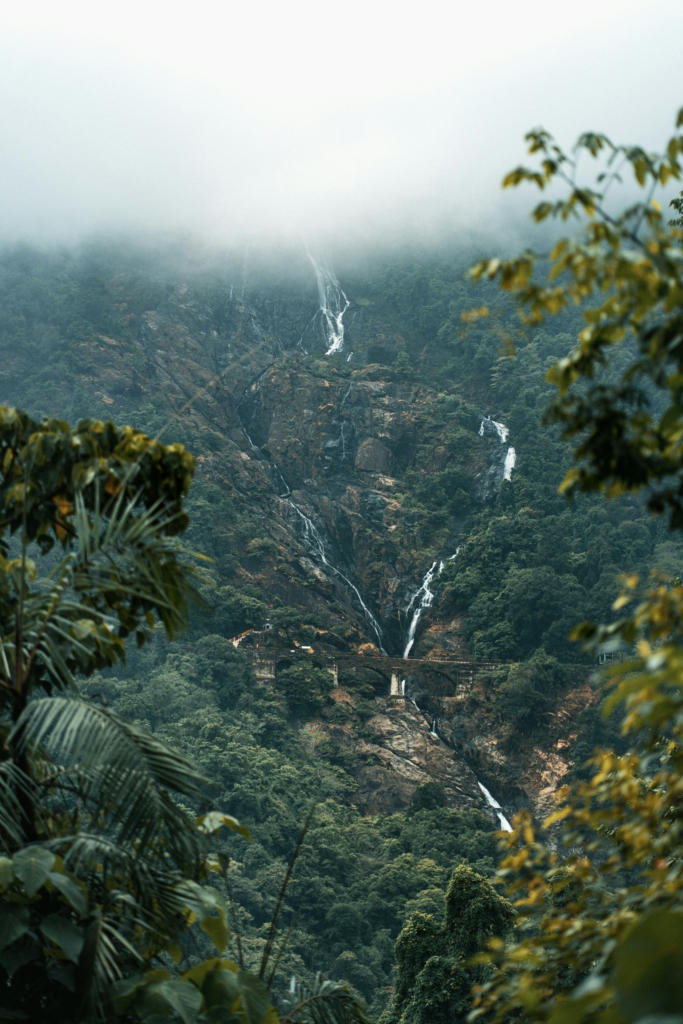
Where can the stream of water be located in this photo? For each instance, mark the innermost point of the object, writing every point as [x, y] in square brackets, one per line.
[333, 305]
[314, 543]
[492, 802]
[312, 538]
[503, 433]
[424, 597]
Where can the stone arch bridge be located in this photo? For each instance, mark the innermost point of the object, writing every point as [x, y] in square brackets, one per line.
[439, 678]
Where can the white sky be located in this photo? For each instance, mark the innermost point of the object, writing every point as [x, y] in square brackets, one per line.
[279, 118]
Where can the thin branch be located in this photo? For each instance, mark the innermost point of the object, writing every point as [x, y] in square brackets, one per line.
[281, 896]
[233, 912]
[282, 948]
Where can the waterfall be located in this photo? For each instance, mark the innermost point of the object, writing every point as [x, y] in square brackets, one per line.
[503, 433]
[315, 545]
[425, 601]
[492, 802]
[312, 539]
[403, 687]
[433, 731]
[333, 305]
[500, 429]
[510, 460]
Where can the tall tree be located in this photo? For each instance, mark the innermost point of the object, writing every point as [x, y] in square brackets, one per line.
[435, 973]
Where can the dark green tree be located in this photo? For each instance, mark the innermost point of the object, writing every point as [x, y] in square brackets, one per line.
[306, 687]
[435, 975]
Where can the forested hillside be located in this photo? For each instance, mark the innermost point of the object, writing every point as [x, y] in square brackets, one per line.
[329, 486]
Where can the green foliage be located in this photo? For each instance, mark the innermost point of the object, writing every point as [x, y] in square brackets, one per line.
[305, 686]
[356, 877]
[435, 973]
[601, 928]
[428, 797]
[526, 692]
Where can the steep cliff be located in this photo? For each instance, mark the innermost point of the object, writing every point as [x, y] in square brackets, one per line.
[347, 448]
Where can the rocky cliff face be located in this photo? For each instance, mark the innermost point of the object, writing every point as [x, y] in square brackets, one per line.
[458, 742]
[318, 448]
[327, 453]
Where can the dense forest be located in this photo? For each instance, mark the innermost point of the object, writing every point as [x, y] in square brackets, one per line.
[310, 489]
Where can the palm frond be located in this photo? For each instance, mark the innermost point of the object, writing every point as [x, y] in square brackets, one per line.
[122, 774]
[324, 1002]
[14, 784]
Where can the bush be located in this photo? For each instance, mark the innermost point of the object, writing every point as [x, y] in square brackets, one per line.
[306, 688]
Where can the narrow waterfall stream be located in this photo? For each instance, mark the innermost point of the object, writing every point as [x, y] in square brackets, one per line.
[424, 597]
[315, 546]
[503, 433]
[492, 802]
[312, 539]
[333, 305]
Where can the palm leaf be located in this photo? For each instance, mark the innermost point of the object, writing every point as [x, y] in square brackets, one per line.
[324, 1002]
[122, 774]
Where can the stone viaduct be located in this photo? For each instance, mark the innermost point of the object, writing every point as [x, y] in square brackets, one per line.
[440, 678]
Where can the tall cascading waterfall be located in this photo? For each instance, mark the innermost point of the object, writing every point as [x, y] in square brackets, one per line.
[424, 597]
[314, 543]
[311, 535]
[333, 305]
[503, 433]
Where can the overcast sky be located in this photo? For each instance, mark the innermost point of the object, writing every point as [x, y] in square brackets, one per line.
[270, 118]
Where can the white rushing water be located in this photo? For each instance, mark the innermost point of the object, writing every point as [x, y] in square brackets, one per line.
[500, 428]
[424, 597]
[503, 433]
[333, 305]
[433, 731]
[314, 542]
[492, 802]
[510, 460]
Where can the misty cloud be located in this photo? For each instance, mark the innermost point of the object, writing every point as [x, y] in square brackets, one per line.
[98, 135]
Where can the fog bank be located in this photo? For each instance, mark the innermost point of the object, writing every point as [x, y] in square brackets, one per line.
[370, 122]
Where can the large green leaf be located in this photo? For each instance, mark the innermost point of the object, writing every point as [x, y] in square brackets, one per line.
[64, 933]
[73, 892]
[15, 919]
[6, 873]
[32, 865]
[255, 997]
[176, 996]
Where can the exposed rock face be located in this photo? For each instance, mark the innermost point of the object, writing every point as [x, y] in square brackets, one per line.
[396, 751]
[240, 377]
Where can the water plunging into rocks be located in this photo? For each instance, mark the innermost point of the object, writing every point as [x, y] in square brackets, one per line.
[492, 802]
[424, 596]
[510, 460]
[333, 305]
